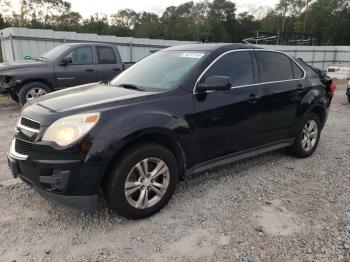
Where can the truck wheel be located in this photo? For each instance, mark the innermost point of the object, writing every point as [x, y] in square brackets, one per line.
[307, 137]
[142, 181]
[32, 90]
[14, 96]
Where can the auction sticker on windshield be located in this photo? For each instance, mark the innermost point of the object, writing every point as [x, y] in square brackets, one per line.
[193, 55]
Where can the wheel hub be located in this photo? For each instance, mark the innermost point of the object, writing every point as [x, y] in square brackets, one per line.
[147, 182]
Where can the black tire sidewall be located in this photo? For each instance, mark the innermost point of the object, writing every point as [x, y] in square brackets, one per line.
[297, 148]
[114, 185]
[14, 96]
[26, 88]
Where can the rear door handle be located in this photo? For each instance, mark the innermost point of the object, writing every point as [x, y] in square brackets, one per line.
[253, 98]
[90, 70]
[116, 69]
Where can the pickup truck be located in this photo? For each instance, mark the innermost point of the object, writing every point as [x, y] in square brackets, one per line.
[64, 66]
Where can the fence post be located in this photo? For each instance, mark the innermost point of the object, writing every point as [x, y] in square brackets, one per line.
[335, 55]
[131, 55]
[324, 58]
[12, 48]
[3, 55]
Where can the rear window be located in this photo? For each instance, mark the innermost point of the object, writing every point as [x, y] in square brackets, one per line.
[274, 66]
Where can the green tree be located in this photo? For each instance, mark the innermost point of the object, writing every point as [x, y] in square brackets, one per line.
[221, 21]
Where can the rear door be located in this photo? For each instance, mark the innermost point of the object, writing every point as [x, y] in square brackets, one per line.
[81, 70]
[228, 121]
[107, 64]
[282, 84]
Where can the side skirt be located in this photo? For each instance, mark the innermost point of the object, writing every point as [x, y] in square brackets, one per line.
[224, 160]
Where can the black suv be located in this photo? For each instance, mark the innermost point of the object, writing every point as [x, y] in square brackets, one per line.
[182, 110]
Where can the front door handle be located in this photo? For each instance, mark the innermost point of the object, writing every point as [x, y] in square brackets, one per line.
[300, 88]
[253, 98]
[90, 70]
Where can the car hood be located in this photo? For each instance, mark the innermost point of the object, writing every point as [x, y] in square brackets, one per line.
[20, 64]
[86, 97]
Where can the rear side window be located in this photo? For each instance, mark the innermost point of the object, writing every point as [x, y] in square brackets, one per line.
[298, 73]
[105, 55]
[274, 66]
[237, 65]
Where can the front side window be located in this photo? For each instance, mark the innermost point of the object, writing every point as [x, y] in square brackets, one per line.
[274, 66]
[105, 55]
[236, 65]
[81, 56]
[160, 71]
[54, 53]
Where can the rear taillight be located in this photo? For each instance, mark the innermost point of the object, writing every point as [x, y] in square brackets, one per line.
[333, 88]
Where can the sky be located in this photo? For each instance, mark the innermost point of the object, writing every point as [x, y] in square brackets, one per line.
[90, 7]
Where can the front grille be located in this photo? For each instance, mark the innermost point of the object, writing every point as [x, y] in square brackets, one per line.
[22, 147]
[30, 123]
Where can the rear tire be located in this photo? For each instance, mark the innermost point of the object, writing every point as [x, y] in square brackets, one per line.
[308, 137]
[136, 192]
[349, 99]
[32, 90]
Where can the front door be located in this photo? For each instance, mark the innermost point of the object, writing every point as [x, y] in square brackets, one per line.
[80, 70]
[228, 121]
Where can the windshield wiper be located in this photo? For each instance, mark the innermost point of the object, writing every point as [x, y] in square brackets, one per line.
[131, 86]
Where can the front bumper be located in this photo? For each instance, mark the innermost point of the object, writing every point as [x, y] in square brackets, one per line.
[57, 181]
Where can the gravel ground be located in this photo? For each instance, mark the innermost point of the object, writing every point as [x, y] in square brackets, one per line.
[270, 208]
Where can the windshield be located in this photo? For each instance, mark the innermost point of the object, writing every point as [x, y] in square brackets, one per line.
[160, 71]
[55, 52]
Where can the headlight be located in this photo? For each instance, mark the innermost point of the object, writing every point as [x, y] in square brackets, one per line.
[69, 129]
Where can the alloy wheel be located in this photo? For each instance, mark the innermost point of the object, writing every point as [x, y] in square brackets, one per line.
[309, 135]
[35, 93]
[147, 183]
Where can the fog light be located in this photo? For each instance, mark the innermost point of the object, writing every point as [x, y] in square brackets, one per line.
[58, 180]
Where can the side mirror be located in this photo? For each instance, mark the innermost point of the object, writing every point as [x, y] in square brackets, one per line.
[218, 83]
[65, 61]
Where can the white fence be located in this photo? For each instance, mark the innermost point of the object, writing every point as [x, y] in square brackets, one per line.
[17, 43]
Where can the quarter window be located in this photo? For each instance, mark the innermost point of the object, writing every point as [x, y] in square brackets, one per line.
[81, 56]
[298, 73]
[105, 55]
[274, 66]
[236, 65]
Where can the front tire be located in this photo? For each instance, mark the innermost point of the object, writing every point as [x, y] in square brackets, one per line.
[32, 90]
[14, 96]
[308, 137]
[348, 98]
[142, 181]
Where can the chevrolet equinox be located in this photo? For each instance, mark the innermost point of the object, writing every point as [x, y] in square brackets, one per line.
[180, 111]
